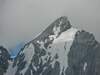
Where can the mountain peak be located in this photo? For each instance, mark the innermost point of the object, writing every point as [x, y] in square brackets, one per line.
[59, 25]
[63, 18]
[61, 21]
[5, 53]
[59, 50]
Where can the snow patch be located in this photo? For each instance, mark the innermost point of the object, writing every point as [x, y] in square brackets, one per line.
[0, 51]
[10, 70]
[31, 72]
[60, 47]
[85, 65]
[66, 36]
[56, 30]
[41, 44]
[29, 52]
[35, 68]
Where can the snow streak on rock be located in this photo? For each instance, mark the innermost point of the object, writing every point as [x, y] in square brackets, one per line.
[10, 70]
[29, 52]
[59, 48]
[85, 65]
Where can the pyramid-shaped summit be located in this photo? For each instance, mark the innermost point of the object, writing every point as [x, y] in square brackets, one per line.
[61, 23]
[59, 50]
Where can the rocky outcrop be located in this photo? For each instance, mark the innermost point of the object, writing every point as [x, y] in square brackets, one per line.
[84, 55]
[4, 58]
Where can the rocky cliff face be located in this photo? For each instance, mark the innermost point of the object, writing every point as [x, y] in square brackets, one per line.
[59, 50]
[4, 60]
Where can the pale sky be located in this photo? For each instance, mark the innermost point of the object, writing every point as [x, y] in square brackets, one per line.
[22, 20]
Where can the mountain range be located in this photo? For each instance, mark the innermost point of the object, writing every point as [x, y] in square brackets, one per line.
[60, 49]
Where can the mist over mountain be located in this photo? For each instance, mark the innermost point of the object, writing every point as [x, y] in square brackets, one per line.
[21, 20]
[60, 49]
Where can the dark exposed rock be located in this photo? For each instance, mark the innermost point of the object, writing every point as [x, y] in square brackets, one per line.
[4, 57]
[64, 25]
[84, 50]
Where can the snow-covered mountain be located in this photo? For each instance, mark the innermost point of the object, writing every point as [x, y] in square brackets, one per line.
[59, 50]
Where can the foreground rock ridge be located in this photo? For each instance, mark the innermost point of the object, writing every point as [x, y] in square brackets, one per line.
[4, 60]
[59, 50]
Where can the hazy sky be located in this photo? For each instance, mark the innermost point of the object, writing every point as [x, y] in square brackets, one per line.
[22, 20]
